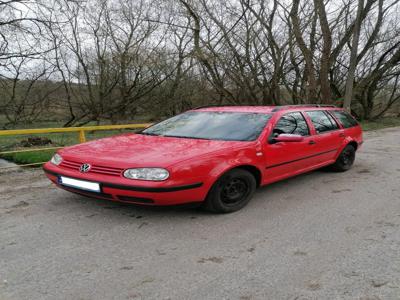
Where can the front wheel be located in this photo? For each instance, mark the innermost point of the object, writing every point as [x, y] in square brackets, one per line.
[231, 192]
[345, 159]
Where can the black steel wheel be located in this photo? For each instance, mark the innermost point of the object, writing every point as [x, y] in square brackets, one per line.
[345, 160]
[231, 192]
[234, 191]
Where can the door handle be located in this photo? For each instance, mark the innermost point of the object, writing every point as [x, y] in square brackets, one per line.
[341, 135]
[311, 142]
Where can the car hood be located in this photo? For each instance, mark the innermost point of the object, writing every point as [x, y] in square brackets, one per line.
[137, 150]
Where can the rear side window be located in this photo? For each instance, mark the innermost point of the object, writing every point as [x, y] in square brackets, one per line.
[346, 119]
[321, 121]
[332, 119]
[292, 123]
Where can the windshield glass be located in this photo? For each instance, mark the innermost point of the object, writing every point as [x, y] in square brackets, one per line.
[211, 125]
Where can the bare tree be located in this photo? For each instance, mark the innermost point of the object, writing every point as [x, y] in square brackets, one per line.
[115, 61]
[353, 58]
[26, 92]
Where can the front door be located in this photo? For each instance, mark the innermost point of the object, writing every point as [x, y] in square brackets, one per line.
[284, 159]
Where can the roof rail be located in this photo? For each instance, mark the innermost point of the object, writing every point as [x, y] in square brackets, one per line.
[301, 105]
[211, 105]
[229, 105]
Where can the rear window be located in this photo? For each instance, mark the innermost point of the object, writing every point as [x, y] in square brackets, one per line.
[345, 118]
[321, 121]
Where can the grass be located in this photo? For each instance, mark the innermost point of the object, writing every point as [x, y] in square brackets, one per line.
[381, 123]
[29, 157]
[8, 143]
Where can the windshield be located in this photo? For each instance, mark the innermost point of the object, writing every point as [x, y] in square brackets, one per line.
[211, 125]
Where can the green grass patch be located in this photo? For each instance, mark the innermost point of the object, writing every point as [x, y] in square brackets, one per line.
[380, 124]
[29, 157]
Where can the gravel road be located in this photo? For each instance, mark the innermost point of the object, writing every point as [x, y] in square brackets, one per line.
[320, 235]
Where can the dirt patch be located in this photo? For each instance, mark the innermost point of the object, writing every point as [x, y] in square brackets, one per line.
[20, 204]
[340, 191]
[376, 283]
[213, 259]
[143, 224]
[35, 141]
[300, 253]
[313, 285]
[364, 171]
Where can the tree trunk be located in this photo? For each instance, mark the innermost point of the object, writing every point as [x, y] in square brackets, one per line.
[326, 52]
[353, 59]
[311, 87]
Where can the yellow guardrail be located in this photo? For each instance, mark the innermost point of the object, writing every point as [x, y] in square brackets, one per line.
[79, 130]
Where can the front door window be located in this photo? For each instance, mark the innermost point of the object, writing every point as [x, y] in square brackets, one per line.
[291, 123]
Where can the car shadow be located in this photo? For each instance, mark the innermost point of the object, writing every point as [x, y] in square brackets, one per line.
[193, 211]
[137, 211]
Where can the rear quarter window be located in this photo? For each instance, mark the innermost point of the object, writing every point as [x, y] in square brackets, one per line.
[345, 118]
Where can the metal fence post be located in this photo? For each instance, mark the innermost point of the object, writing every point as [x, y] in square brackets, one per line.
[82, 137]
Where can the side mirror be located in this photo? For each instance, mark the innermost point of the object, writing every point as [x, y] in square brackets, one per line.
[288, 138]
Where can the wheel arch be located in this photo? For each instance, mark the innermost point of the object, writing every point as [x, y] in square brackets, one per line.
[347, 141]
[253, 170]
[354, 144]
[256, 172]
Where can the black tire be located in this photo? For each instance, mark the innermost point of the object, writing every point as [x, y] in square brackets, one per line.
[345, 160]
[231, 192]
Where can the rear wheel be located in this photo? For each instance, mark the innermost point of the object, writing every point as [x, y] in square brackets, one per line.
[231, 192]
[345, 159]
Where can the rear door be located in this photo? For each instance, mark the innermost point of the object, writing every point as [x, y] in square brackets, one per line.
[327, 136]
[350, 126]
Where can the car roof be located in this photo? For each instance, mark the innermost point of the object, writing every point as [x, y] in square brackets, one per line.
[254, 109]
[266, 109]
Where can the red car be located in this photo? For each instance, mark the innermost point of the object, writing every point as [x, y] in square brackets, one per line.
[216, 156]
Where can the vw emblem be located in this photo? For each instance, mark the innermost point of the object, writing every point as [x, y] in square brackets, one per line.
[84, 168]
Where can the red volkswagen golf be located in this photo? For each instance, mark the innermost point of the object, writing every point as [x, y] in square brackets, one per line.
[215, 156]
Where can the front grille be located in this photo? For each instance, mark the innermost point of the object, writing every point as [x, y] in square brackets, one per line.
[106, 170]
[72, 165]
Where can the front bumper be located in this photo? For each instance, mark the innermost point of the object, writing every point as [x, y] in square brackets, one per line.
[138, 194]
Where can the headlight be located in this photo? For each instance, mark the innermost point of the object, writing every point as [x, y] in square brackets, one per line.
[155, 174]
[56, 159]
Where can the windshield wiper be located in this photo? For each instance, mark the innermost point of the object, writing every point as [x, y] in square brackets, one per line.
[148, 133]
[186, 137]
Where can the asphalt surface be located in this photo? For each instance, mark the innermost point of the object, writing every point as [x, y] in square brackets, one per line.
[320, 235]
[4, 164]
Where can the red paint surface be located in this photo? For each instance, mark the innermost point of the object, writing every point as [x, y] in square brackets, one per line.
[191, 161]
